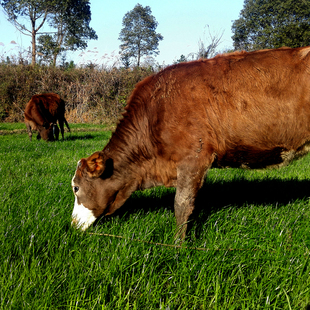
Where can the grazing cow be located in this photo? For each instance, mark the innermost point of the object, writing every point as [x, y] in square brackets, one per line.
[236, 110]
[42, 113]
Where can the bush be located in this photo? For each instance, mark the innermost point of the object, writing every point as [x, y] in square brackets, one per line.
[91, 95]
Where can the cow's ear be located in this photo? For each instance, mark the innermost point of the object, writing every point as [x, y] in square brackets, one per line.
[97, 165]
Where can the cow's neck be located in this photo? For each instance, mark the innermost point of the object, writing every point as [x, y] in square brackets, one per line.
[135, 158]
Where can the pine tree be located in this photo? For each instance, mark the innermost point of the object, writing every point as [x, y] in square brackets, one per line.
[139, 35]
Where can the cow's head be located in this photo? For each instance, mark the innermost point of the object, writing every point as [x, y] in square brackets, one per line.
[98, 189]
[46, 131]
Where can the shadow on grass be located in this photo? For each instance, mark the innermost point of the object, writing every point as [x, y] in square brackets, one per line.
[215, 196]
[74, 137]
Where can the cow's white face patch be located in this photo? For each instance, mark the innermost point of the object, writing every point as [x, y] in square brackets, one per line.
[81, 216]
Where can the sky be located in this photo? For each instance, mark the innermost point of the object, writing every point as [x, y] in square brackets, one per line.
[182, 23]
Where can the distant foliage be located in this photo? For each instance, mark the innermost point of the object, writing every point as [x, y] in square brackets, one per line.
[91, 95]
[181, 59]
[272, 24]
[70, 18]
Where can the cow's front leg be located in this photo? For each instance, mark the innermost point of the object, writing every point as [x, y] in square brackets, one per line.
[184, 204]
[56, 132]
[189, 181]
[29, 131]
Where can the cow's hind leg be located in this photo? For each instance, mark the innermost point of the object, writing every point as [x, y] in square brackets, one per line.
[189, 181]
[67, 124]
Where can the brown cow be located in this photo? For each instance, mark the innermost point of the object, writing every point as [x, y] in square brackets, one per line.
[42, 113]
[239, 110]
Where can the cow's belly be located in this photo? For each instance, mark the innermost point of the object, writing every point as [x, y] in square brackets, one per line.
[251, 157]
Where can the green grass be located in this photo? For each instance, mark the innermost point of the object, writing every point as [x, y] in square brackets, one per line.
[253, 226]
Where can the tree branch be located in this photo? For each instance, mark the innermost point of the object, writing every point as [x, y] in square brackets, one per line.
[22, 28]
[43, 21]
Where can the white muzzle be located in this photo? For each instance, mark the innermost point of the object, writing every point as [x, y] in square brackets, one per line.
[82, 217]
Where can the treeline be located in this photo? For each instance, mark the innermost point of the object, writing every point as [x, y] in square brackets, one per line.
[92, 95]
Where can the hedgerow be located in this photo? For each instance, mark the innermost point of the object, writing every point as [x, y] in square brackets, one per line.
[92, 95]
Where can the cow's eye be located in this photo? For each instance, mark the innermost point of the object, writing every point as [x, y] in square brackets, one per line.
[75, 189]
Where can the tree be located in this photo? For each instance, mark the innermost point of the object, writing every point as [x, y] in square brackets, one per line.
[45, 48]
[68, 16]
[125, 58]
[35, 10]
[208, 50]
[181, 59]
[207, 47]
[272, 24]
[138, 34]
[72, 18]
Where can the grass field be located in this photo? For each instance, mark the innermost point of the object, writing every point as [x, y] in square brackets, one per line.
[248, 249]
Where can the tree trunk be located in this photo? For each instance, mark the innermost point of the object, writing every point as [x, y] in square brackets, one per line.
[55, 59]
[34, 31]
[139, 56]
[60, 38]
[33, 38]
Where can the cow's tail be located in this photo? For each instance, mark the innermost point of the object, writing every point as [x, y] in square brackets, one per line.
[67, 124]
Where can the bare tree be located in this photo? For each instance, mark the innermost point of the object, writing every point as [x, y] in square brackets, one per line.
[208, 49]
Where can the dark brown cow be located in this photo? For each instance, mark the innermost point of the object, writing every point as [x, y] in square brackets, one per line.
[42, 113]
[238, 110]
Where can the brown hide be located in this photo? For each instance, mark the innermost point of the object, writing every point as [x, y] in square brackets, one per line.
[238, 110]
[42, 113]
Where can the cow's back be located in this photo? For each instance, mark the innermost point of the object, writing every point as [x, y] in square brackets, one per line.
[245, 108]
